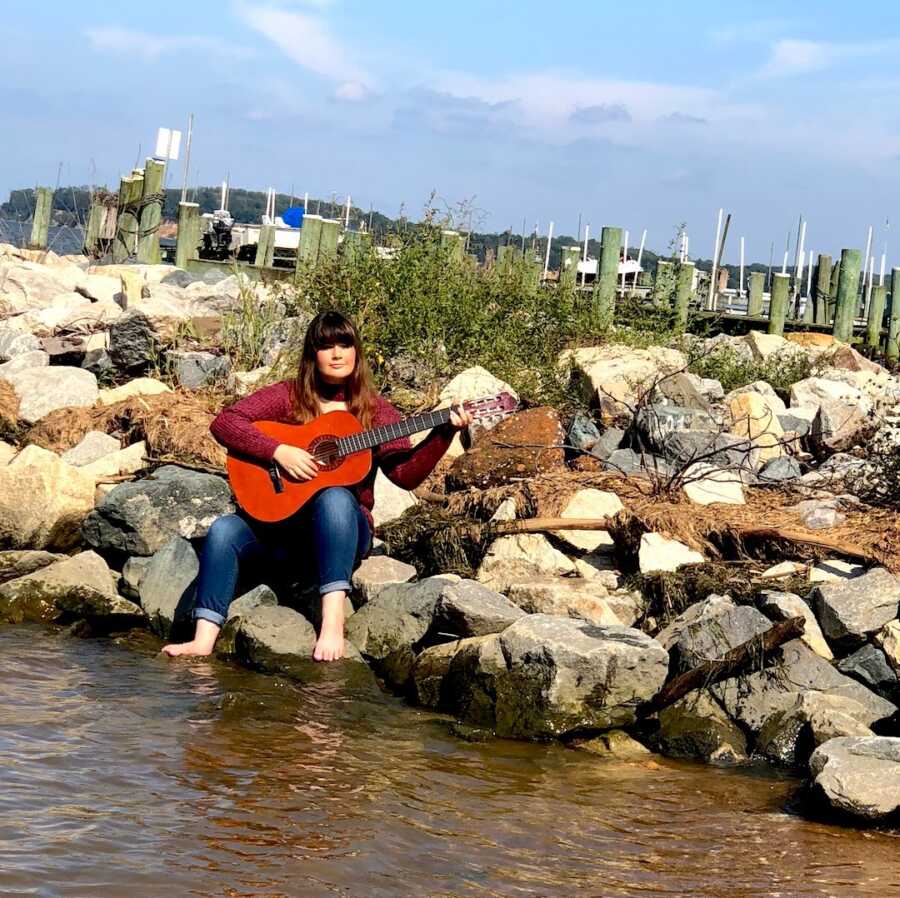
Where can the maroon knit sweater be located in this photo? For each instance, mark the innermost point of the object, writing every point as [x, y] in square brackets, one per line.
[401, 463]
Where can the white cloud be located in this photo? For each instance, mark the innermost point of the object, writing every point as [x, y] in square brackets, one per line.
[307, 40]
[791, 56]
[113, 39]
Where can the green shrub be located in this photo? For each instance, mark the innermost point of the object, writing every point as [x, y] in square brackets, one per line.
[734, 370]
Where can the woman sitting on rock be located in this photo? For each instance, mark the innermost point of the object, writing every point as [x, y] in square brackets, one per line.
[334, 529]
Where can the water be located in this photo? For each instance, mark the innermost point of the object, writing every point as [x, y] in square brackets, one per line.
[125, 774]
[63, 240]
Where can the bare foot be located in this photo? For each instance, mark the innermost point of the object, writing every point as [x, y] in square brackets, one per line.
[330, 645]
[202, 643]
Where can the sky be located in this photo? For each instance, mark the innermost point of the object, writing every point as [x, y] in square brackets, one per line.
[637, 115]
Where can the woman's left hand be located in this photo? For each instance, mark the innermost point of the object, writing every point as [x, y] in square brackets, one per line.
[459, 417]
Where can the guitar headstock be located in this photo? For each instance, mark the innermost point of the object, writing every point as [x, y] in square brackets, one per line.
[490, 409]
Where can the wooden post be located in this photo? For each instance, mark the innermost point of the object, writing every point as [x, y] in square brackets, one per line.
[823, 288]
[91, 245]
[892, 351]
[665, 288]
[607, 271]
[781, 286]
[310, 237]
[151, 212]
[568, 265]
[265, 247]
[130, 189]
[328, 245]
[809, 312]
[356, 244]
[683, 282]
[455, 243]
[876, 317]
[847, 295]
[755, 302]
[188, 233]
[832, 290]
[40, 225]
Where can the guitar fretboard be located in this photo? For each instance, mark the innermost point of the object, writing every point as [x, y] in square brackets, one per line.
[368, 439]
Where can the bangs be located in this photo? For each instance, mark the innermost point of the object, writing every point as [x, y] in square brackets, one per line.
[330, 329]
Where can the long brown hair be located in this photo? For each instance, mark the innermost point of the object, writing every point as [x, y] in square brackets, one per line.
[325, 330]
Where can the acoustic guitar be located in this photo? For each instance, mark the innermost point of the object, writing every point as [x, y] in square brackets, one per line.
[343, 449]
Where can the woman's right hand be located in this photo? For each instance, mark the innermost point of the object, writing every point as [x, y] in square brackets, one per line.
[296, 462]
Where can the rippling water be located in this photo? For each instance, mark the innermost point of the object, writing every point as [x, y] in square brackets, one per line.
[125, 774]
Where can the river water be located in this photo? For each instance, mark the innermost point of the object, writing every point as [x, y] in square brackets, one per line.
[124, 774]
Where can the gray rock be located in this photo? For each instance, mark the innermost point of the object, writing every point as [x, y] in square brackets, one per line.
[697, 728]
[790, 736]
[180, 278]
[132, 572]
[793, 423]
[241, 607]
[94, 445]
[607, 443]
[167, 587]
[138, 518]
[859, 775]
[43, 390]
[837, 427]
[213, 276]
[133, 342]
[820, 514]
[780, 469]
[679, 389]
[779, 606]
[722, 449]
[628, 462]
[467, 608]
[99, 363]
[869, 666]
[16, 563]
[547, 676]
[583, 433]
[35, 359]
[15, 343]
[194, 370]
[427, 679]
[849, 611]
[379, 571]
[657, 423]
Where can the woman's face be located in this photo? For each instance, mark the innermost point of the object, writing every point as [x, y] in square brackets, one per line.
[336, 363]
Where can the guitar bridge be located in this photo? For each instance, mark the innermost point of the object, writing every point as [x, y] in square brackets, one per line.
[275, 477]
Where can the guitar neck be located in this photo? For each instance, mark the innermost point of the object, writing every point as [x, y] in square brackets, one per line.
[368, 439]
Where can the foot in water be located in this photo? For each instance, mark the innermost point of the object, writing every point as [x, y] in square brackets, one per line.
[330, 645]
[202, 643]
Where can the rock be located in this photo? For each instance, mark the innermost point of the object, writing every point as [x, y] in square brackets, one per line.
[194, 370]
[660, 554]
[35, 359]
[765, 345]
[607, 443]
[81, 586]
[29, 285]
[467, 609]
[94, 445]
[888, 640]
[589, 503]
[129, 460]
[613, 744]
[779, 606]
[42, 501]
[790, 736]
[656, 424]
[99, 363]
[779, 470]
[488, 463]
[133, 342]
[697, 728]
[845, 357]
[245, 382]
[629, 462]
[141, 517]
[771, 399]
[14, 343]
[549, 676]
[167, 587]
[753, 420]
[710, 388]
[276, 639]
[132, 573]
[16, 563]
[567, 597]
[681, 390]
[42, 390]
[520, 557]
[852, 610]
[859, 775]
[869, 666]
[613, 376]
[240, 608]
[390, 500]
[708, 485]
[431, 667]
[140, 386]
[379, 571]
[813, 391]
[835, 570]
[820, 514]
[838, 426]
[798, 419]
[720, 449]
[179, 278]
[582, 433]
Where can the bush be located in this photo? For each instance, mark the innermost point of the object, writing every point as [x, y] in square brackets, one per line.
[733, 370]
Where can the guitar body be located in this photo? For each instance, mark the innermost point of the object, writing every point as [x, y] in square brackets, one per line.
[252, 480]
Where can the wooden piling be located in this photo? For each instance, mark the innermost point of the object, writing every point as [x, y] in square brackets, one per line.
[96, 216]
[664, 290]
[607, 275]
[188, 233]
[684, 280]
[755, 300]
[150, 212]
[455, 243]
[778, 306]
[568, 265]
[130, 190]
[876, 318]
[832, 291]
[355, 244]
[265, 247]
[40, 225]
[892, 350]
[310, 238]
[328, 245]
[846, 300]
[823, 289]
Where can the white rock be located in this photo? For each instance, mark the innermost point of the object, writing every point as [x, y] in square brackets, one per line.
[94, 444]
[37, 358]
[390, 500]
[520, 557]
[43, 390]
[764, 345]
[834, 569]
[247, 381]
[660, 554]
[813, 391]
[7, 452]
[129, 460]
[708, 485]
[140, 386]
[589, 503]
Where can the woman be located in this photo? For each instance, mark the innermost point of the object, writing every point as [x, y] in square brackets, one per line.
[334, 529]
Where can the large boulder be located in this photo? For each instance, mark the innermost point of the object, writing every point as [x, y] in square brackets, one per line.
[15, 342]
[813, 391]
[838, 426]
[390, 500]
[519, 558]
[589, 503]
[572, 597]
[657, 553]
[42, 390]
[859, 775]
[94, 445]
[43, 501]
[780, 606]
[753, 419]
[521, 446]
[81, 586]
[547, 676]
[194, 370]
[29, 285]
[697, 728]
[468, 608]
[167, 587]
[378, 571]
[141, 517]
[37, 358]
[134, 344]
[657, 424]
[849, 611]
[870, 666]
[427, 684]
[15, 563]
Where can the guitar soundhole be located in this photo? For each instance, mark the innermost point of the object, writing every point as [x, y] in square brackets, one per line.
[325, 449]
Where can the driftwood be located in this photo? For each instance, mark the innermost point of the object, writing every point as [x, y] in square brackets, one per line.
[731, 664]
[806, 539]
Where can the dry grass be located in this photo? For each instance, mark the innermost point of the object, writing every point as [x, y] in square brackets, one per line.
[9, 411]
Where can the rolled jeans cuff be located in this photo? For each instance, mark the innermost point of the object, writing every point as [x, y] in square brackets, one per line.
[334, 586]
[210, 615]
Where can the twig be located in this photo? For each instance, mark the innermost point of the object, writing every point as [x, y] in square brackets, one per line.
[168, 460]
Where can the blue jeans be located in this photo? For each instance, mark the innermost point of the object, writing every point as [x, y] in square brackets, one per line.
[331, 530]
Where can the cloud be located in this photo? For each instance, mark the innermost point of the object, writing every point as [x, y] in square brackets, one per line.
[600, 114]
[444, 113]
[799, 57]
[114, 39]
[307, 40]
[683, 118]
